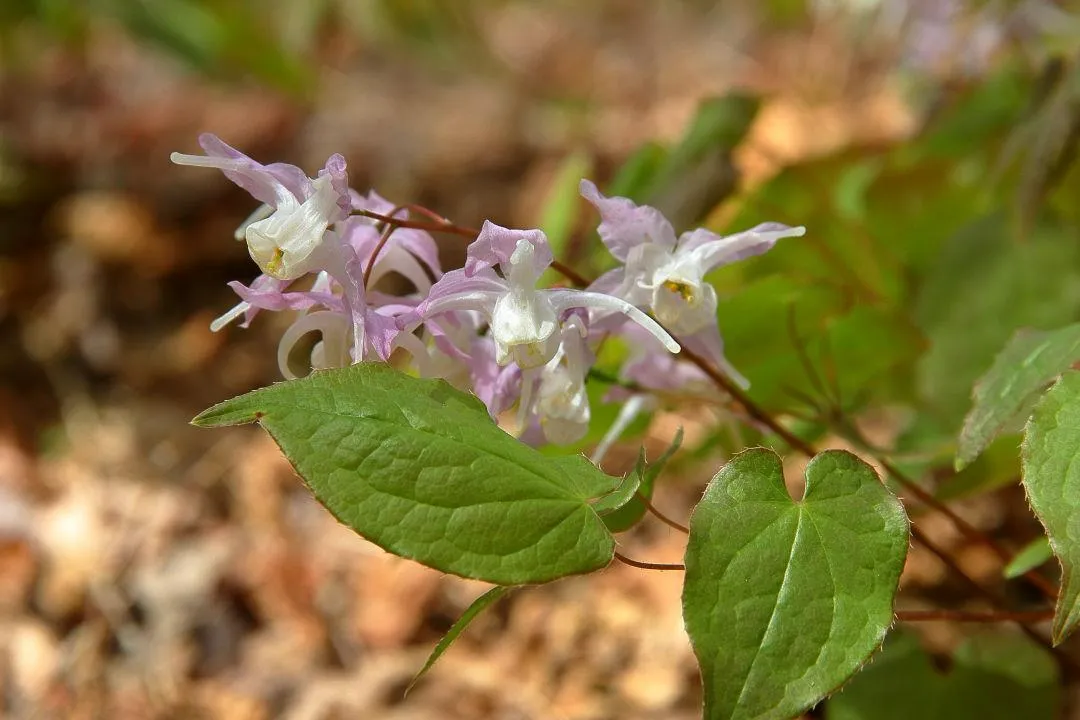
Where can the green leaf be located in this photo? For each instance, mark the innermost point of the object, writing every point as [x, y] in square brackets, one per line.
[984, 288]
[419, 469]
[698, 172]
[630, 513]
[1005, 395]
[562, 206]
[637, 172]
[1034, 554]
[1051, 477]
[624, 493]
[996, 676]
[785, 600]
[478, 606]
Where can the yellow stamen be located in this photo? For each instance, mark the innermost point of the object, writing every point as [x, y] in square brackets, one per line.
[681, 289]
[274, 266]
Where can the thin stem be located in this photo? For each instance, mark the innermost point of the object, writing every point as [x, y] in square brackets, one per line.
[765, 418]
[570, 274]
[446, 227]
[1066, 661]
[800, 445]
[646, 565]
[974, 616]
[967, 529]
[383, 239]
[661, 516]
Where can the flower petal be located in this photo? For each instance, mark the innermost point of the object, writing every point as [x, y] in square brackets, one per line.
[566, 299]
[625, 225]
[711, 250]
[495, 244]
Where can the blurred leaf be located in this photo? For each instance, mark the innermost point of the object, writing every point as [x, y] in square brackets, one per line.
[561, 209]
[982, 115]
[478, 606]
[562, 205]
[778, 601]
[1005, 395]
[420, 469]
[1048, 141]
[983, 288]
[1051, 476]
[785, 13]
[217, 39]
[1034, 554]
[187, 28]
[864, 352]
[997, 466]
[698, 173]
[634, 510]
[851, 190]
[635, 175]
[998, 676]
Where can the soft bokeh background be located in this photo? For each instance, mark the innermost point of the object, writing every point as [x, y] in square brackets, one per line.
[152, 570]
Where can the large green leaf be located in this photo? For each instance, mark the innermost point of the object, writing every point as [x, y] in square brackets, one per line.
[999, 676]
[1005, 395]
[785, 600]
[419, 468]
[1052, 481]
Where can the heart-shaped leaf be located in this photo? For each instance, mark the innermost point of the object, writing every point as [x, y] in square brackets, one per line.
[1006, 393]
[784, 600]
[1051, 477]
[420, 469]
[995, 676]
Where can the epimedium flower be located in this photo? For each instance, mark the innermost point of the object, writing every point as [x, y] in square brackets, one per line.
[523, 319]
[665, 273]
[286, 236]
[554, 396]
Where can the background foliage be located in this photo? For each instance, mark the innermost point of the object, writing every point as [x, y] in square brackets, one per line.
[938, 189]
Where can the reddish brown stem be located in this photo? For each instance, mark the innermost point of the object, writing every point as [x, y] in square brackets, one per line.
[974, 616]
[647, 565]
[759, 414]
[967, 529]
[383, 239]
[1066, 661]
[446, 227]
[766, 419]
[661, 516]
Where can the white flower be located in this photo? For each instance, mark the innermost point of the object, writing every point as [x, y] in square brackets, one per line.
[523, 318]
[668, 274]
[285, 236]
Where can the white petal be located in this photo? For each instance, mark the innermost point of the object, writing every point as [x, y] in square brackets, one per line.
[566, 299]
[260, 213]
[237, 310]
[284, 244]
[335, 330]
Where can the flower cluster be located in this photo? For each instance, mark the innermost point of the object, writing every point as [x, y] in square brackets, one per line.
[486, 327]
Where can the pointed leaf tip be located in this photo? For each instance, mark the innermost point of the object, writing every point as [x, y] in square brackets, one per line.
[478, 606]
[421, 470]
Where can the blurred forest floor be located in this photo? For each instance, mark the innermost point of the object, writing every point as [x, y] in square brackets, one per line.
[152, 570]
